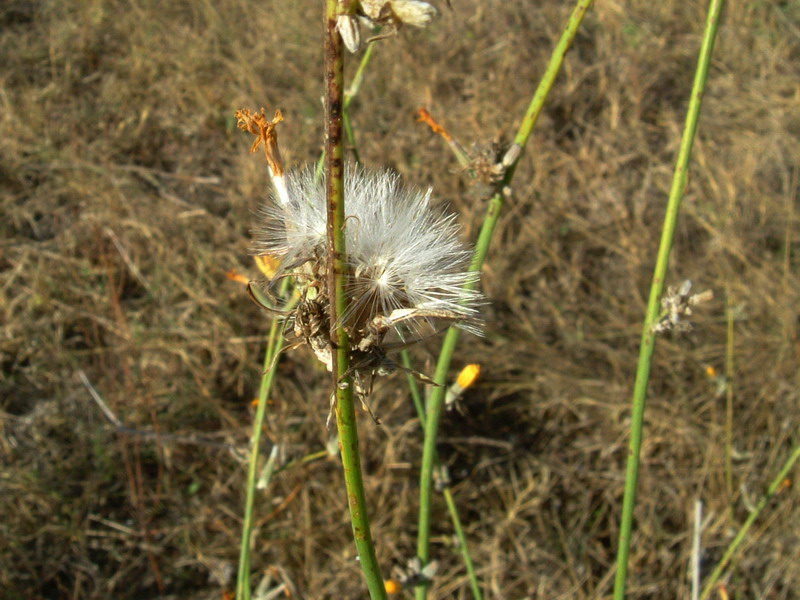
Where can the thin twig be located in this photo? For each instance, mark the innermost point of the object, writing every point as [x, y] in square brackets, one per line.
[350, 95]
[446, 487]
[729, 381]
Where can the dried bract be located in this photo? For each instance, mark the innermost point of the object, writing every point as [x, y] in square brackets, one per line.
[414, 573]
[347, 26]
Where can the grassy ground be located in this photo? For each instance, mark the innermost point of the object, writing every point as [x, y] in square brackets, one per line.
[127, 194]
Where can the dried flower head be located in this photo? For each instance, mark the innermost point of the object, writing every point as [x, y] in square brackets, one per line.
[677, 306]
[399, 12]
[407, 267]
[414, 573]
[266, 136]
[389, 14]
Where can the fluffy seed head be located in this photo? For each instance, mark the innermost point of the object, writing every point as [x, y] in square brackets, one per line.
[406, 262]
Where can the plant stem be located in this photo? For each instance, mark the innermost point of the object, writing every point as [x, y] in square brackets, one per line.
[737, 541]
[351, 136]
[447, 490]
[274, 345]
[358, 78]
[337, 275]
[436, 399]
[648, 335]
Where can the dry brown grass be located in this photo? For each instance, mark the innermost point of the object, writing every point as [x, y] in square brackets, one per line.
[127, 194]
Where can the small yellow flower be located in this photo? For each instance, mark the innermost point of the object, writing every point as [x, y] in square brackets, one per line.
[468, 376]
[392, 586]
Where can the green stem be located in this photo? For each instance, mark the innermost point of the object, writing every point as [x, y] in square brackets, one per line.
[447, 491]
[358, 78]
[656, 290]
[337, 275]
[416, 396]
[436, 399]
[351, 136]
[737, 541]
[462, 542]
[274, 346]
[308, 458]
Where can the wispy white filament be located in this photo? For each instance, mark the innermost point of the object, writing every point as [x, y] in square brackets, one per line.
[402, 253]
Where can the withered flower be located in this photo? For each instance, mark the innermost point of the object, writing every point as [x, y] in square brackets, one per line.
[399, 12]
[677, 307]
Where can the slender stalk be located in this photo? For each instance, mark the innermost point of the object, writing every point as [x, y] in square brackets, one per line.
[308, 458]
[729, 374]
[274, 346]
[351, 135]
[352, 90]
[413, 387]
[350, 94]
[457, 149]
[447, 490]
[773, 489]
[656, 289]
[436, 400]
[337, 275]
[462, 542]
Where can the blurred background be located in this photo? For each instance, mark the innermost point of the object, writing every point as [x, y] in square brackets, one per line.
[127, 195]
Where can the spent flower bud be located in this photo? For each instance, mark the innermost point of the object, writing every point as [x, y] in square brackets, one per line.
[466, 379]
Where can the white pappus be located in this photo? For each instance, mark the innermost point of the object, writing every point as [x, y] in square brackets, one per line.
[406, 263]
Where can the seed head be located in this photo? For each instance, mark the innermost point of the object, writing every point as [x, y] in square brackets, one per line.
[406, 264]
